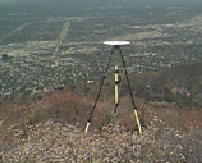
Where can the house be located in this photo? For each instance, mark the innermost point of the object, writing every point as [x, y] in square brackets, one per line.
[3, 56]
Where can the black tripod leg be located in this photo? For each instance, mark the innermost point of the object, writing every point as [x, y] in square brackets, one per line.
[98, 95]
[131, 95]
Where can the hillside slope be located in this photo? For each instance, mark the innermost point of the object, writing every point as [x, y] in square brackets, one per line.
[180, 84]
[52, 129]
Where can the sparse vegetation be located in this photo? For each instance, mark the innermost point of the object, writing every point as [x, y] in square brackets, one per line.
[168, 133]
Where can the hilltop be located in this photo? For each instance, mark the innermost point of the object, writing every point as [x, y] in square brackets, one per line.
[51, 129]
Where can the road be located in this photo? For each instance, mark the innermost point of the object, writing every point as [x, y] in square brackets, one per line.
[61, 37]
[18, 29]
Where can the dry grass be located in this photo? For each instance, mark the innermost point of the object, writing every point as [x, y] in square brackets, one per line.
[170, 134]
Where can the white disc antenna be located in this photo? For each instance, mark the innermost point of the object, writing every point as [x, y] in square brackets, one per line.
[116, 43]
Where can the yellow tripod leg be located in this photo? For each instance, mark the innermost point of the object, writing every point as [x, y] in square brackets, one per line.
[138, 122]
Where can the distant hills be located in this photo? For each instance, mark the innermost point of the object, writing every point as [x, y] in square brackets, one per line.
[106, 3]
[71, 8]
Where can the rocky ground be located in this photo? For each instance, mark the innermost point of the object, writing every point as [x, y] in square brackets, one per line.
[55, 142]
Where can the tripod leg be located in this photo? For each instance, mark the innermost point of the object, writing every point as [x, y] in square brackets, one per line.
[87, 126]
[98, 95]
[131, 95]
[138, 122]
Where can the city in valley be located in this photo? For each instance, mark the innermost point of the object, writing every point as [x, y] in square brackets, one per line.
[44, 53]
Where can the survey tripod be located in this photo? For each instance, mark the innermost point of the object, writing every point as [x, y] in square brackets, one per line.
[116, 52]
